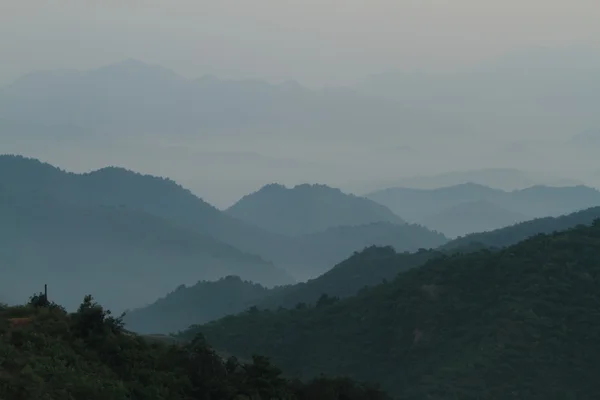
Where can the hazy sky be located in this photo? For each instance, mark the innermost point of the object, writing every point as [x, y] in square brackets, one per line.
[313, 41]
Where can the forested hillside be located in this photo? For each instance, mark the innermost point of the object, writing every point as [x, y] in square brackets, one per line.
[50, 354]
[520, 322]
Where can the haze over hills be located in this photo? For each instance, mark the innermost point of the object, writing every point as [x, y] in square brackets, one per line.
[150, 119]
[548, 91]
[202, 302]
[126, 257]
[391, 200]
[504, 208]
[134, 98]
[507, 179]
[513, 234]
[458, 326]
[470, 217]
[306, 209]
[303, 256]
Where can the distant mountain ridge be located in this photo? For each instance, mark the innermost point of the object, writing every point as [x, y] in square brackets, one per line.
[127, 257]
[422, 205]
[135, 98]
[303, 256]
[472, 216]
[306, 209]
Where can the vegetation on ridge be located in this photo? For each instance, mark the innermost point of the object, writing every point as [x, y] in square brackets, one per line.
[86, 355]
[521, 322]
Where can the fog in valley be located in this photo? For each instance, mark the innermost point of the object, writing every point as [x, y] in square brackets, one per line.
[342, 186]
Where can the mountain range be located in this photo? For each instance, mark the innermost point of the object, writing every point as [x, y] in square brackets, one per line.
[207, 301]
[126, 257]
[134, 98]
[168, 207]
[467, 208]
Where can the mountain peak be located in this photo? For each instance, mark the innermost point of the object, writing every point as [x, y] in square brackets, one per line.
[307, 208]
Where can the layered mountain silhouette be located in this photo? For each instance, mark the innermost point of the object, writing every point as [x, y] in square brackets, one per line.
[472, 216]
[499, 178]
[126, 257]
[134, 98]
[513, 234]
[303, 256]
[459, 208]
[206, 301]
[306, 209]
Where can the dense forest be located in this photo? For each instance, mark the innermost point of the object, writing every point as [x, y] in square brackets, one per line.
[520, 322]
[47, 353]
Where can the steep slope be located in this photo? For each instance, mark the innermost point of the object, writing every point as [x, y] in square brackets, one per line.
[127, 257]
[519, 322]
[207, 301]
[473, 216]
[306, 209]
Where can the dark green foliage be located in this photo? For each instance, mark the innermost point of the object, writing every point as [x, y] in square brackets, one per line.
[86, 355]
[520, 322]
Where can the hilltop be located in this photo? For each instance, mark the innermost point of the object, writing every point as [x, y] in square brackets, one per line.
[306, 209]
[521, 320]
